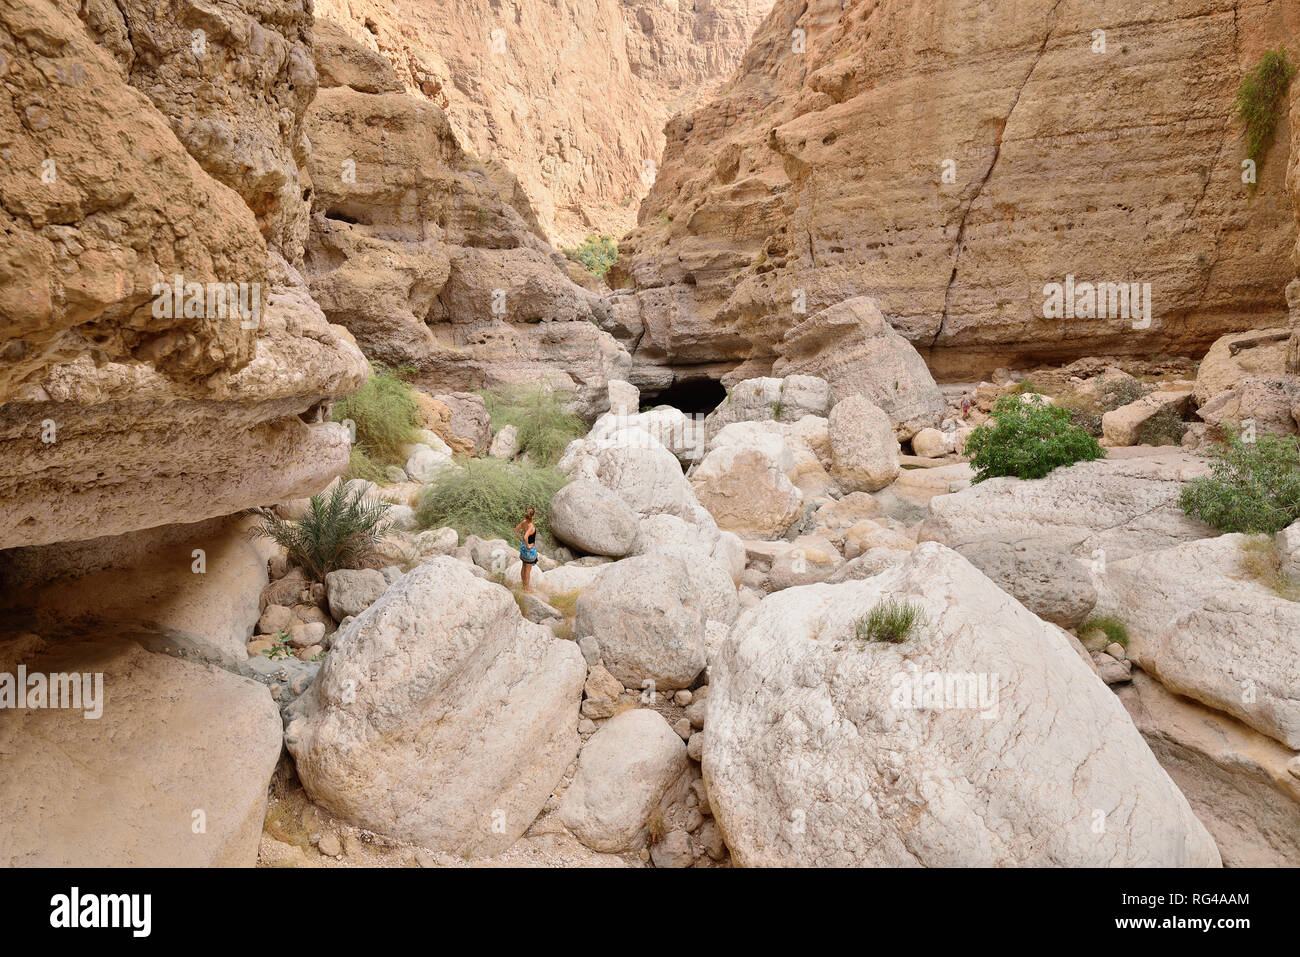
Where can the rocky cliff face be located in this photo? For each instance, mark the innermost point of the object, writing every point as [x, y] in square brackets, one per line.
[952, 166]
[572, 98]
[430, 257]
[150, 181]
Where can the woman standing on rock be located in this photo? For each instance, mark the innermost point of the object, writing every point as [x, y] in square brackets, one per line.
[527, 533]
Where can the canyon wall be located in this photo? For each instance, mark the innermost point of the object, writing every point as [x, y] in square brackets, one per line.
[433, 259]
[150, 162]
[952, 164]
[572, 97]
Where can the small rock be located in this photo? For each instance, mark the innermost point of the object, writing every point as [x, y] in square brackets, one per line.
[695, 746]
[673, 851]
[329, 844]
[309, 653]
[275, 619]
[586, 726]
[695, 713]
[711, 837]
[590, 650]
[682, 698]
[1116, 651]
[424, 858]
[307, 633]
[683, 728]
[694, 820]
[259, 645]
[352, 844]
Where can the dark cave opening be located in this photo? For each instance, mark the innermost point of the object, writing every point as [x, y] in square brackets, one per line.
[692, 396]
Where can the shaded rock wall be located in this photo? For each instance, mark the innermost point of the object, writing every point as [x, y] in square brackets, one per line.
[133, 153]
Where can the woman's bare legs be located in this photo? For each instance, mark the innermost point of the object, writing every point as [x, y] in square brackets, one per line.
[525, 573]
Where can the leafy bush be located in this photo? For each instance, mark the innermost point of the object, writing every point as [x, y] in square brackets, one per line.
[596, 254]
[1261, 101]
[1115, 629]
[1027, 439]
[340, 530]
[542, 417]
[385, 416]
[891, 620]
[488, 498]
[1252, 486]
[1166, 427]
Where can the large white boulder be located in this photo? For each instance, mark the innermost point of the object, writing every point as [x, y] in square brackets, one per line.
[591, 518]
[1244, 786]
[771, 399]
[1101, 511]
[650, 614]
[441, 716]
[864, 451]
[1202, 626]
[746, 488]
[171, 772]
[627, 767]
[983, 740]
[637, 468]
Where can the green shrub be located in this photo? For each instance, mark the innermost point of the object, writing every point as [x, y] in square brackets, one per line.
[362, 466]
[385, 416]
[1166, 427]
[542, 417]
[488, 498]
[596, 254]
[1261, 102]
[1252, 486]
[891, 620]
[1027, 439]
[340, 530]
[1115, 629]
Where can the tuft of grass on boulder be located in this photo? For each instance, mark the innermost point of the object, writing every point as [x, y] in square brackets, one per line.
[541, 414]
[1115, 629]
[1252, 487]
[487, 497]
[1027, 439]
[892, 621]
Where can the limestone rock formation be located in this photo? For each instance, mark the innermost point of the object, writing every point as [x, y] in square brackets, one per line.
[429, 261]
[820, 751]
[571, 98]
[117, 403]
[110, 790]
[1099, 511]
[791, 191]
[441, 716]
[650, 614]
[1202, 627]
[632, 763]
[1239, 782]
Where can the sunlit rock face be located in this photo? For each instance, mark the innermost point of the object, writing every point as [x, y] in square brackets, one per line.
[952, 166]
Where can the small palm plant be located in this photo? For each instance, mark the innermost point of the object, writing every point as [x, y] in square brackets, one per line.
[340, 530]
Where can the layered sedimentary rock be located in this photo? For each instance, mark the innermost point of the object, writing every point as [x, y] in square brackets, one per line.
[132, 157]
[952, 166]
[572, 98]
[428, 256]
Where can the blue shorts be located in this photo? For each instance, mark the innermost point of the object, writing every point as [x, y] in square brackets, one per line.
[528, 555]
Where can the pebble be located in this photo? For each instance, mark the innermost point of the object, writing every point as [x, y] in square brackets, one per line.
[329, 845]
[673, 851]
[683, 728]
[695, 746]
[682, 698]
[586, 726]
